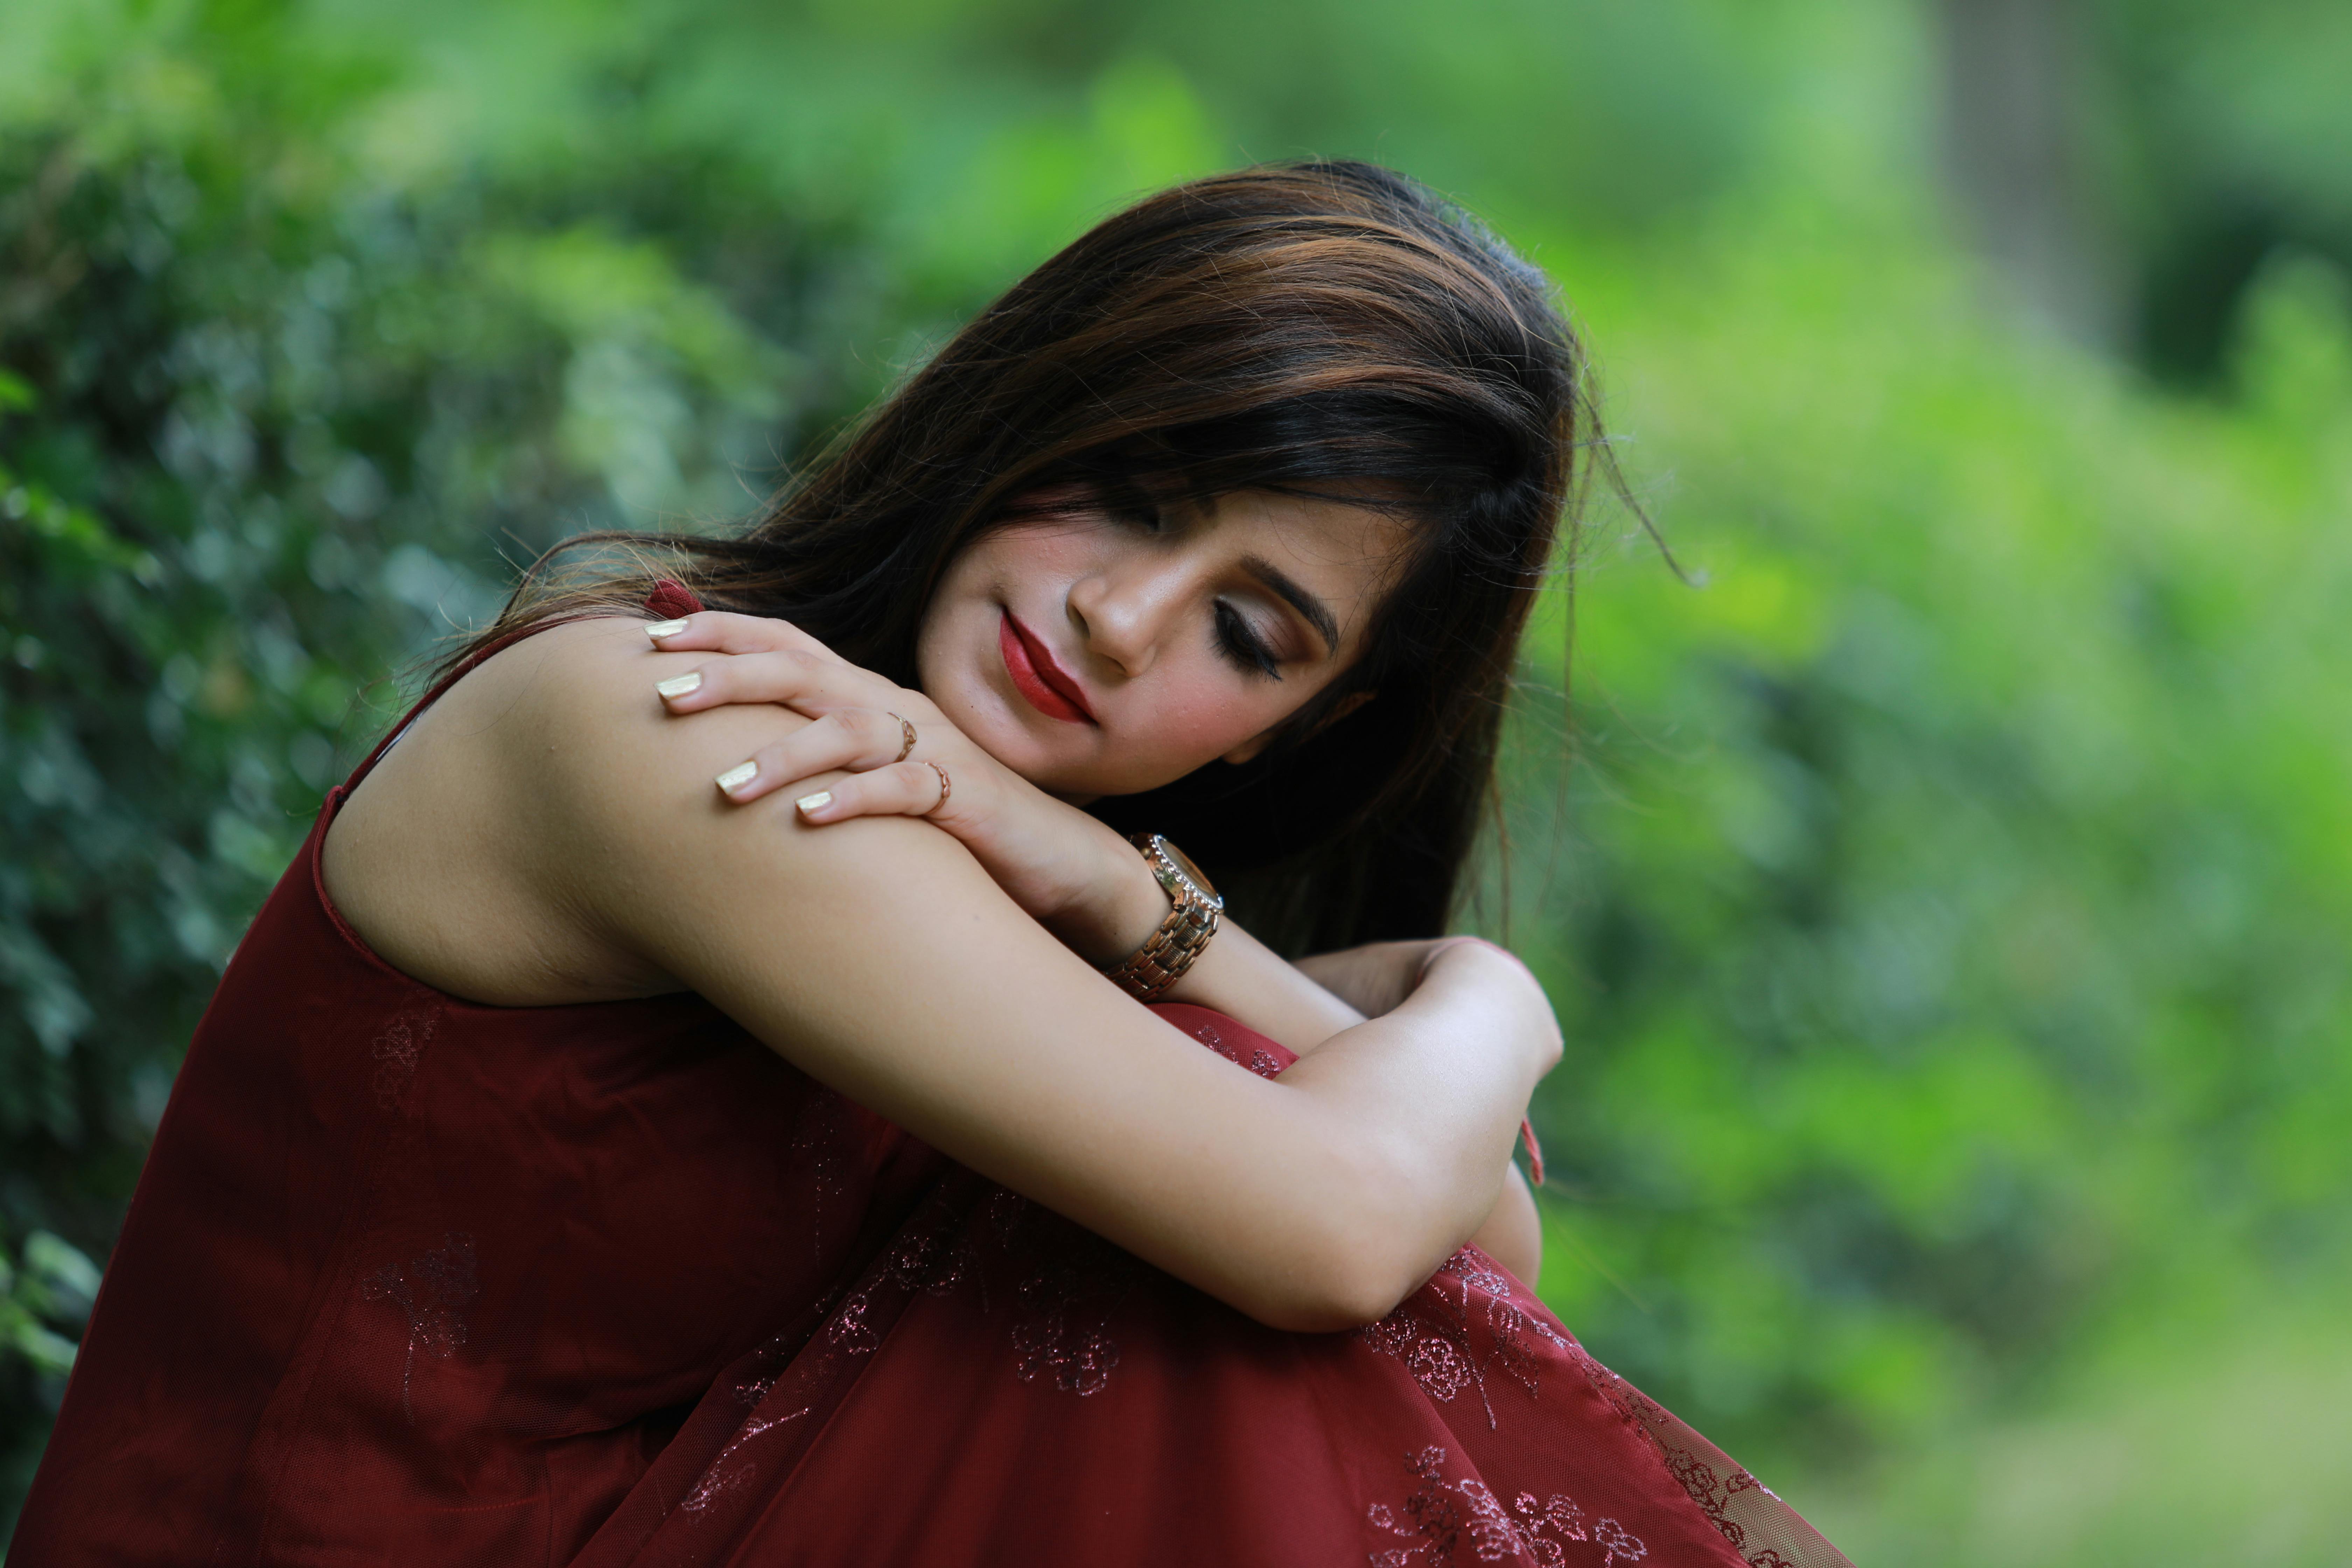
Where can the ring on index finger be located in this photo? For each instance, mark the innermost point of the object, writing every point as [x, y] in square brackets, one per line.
[946, 786]
[907, 731]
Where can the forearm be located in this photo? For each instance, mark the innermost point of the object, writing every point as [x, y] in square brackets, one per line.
[1315, 1200]
[1123, 904]
[1243, 978]
[1435, 1115]
[1513, 1232]
[1248, 981]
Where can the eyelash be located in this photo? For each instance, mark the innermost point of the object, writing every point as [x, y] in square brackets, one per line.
[1241, 647]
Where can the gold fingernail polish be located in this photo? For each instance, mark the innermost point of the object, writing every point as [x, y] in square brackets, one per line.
[736, 777]
[680, 685]
[661, 629]
[816, 802]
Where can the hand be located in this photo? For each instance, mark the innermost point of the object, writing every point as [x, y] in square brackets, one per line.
[1377, 977]
[1497, 974]
[1068, 871]
[1374, 978]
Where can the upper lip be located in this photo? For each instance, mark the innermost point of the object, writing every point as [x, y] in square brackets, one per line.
[1049, 669]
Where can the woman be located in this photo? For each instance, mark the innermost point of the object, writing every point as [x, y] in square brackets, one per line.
[580, 1165]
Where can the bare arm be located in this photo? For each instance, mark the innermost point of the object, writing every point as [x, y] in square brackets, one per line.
[879, 957]
[1513, 1233]
[1064, 867]
[1304, 1005]
[1378, 977]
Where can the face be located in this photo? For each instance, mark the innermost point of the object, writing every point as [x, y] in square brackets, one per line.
[1096, 655]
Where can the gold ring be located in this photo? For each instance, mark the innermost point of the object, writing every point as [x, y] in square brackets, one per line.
[906, 729]
[946, 786]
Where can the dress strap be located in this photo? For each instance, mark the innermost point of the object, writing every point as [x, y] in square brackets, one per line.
[670, 600]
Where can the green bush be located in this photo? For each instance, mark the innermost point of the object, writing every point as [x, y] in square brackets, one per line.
[1951, 940]
[268, 428]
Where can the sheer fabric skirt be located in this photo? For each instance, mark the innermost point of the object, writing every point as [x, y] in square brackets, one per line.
[1002, 1387]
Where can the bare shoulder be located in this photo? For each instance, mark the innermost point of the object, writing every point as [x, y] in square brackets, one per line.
[548, 832]
[459, 859]
[556, 695]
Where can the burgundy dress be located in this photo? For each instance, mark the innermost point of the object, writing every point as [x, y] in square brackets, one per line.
[409, 1280]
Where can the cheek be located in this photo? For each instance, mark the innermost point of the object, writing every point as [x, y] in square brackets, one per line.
[1200, 714]
[962, 616]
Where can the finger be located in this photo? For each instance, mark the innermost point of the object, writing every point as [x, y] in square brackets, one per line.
[851, 739]
[902, 789]
[803, 681]
[722, 631]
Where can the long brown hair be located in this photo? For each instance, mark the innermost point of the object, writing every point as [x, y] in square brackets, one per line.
[1291, 327]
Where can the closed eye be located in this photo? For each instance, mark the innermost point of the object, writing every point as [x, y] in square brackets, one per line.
[1241, 647]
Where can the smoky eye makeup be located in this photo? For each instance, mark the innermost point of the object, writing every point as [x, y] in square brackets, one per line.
[1244, 645]
[1308, 607]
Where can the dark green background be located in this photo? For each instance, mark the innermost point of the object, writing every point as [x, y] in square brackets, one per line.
[1948, 905]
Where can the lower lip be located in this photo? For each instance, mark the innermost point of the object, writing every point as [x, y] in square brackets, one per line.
[1027, 682]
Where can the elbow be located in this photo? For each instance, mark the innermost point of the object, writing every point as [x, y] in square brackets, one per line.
[1361, 1296]
[1327, 1301]
[1366, 1253]
[1348, 1291]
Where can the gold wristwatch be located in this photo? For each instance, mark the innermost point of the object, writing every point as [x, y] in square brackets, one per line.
[1192, 916]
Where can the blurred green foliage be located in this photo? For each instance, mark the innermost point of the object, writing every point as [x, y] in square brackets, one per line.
[1948, 899]
[1958, 907]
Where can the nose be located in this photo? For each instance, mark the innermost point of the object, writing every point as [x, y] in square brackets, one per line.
[1122, 610]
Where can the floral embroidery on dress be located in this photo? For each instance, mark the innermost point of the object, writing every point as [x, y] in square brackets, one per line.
[765, 1367]
[922, 1262]
[1608, 1532]
[1433, 1333]
[1065, 1307]
[930, 1264]
[1062, 1310]
[1070, 1283]
[396, 1053]
[724, 1473]
[1711, 1487]
[432, 1293]
[1444, 1515]
[1548, 1523]
[1713, 1490]
[1261, 1061]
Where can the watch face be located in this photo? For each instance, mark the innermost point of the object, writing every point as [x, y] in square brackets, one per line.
[1184, 864]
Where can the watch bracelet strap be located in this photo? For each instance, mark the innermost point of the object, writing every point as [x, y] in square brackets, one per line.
[1167, 952]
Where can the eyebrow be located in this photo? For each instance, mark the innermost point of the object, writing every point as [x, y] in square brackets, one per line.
[1319, 614]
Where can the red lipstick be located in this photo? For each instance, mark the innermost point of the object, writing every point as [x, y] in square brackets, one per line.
[1049, 688]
